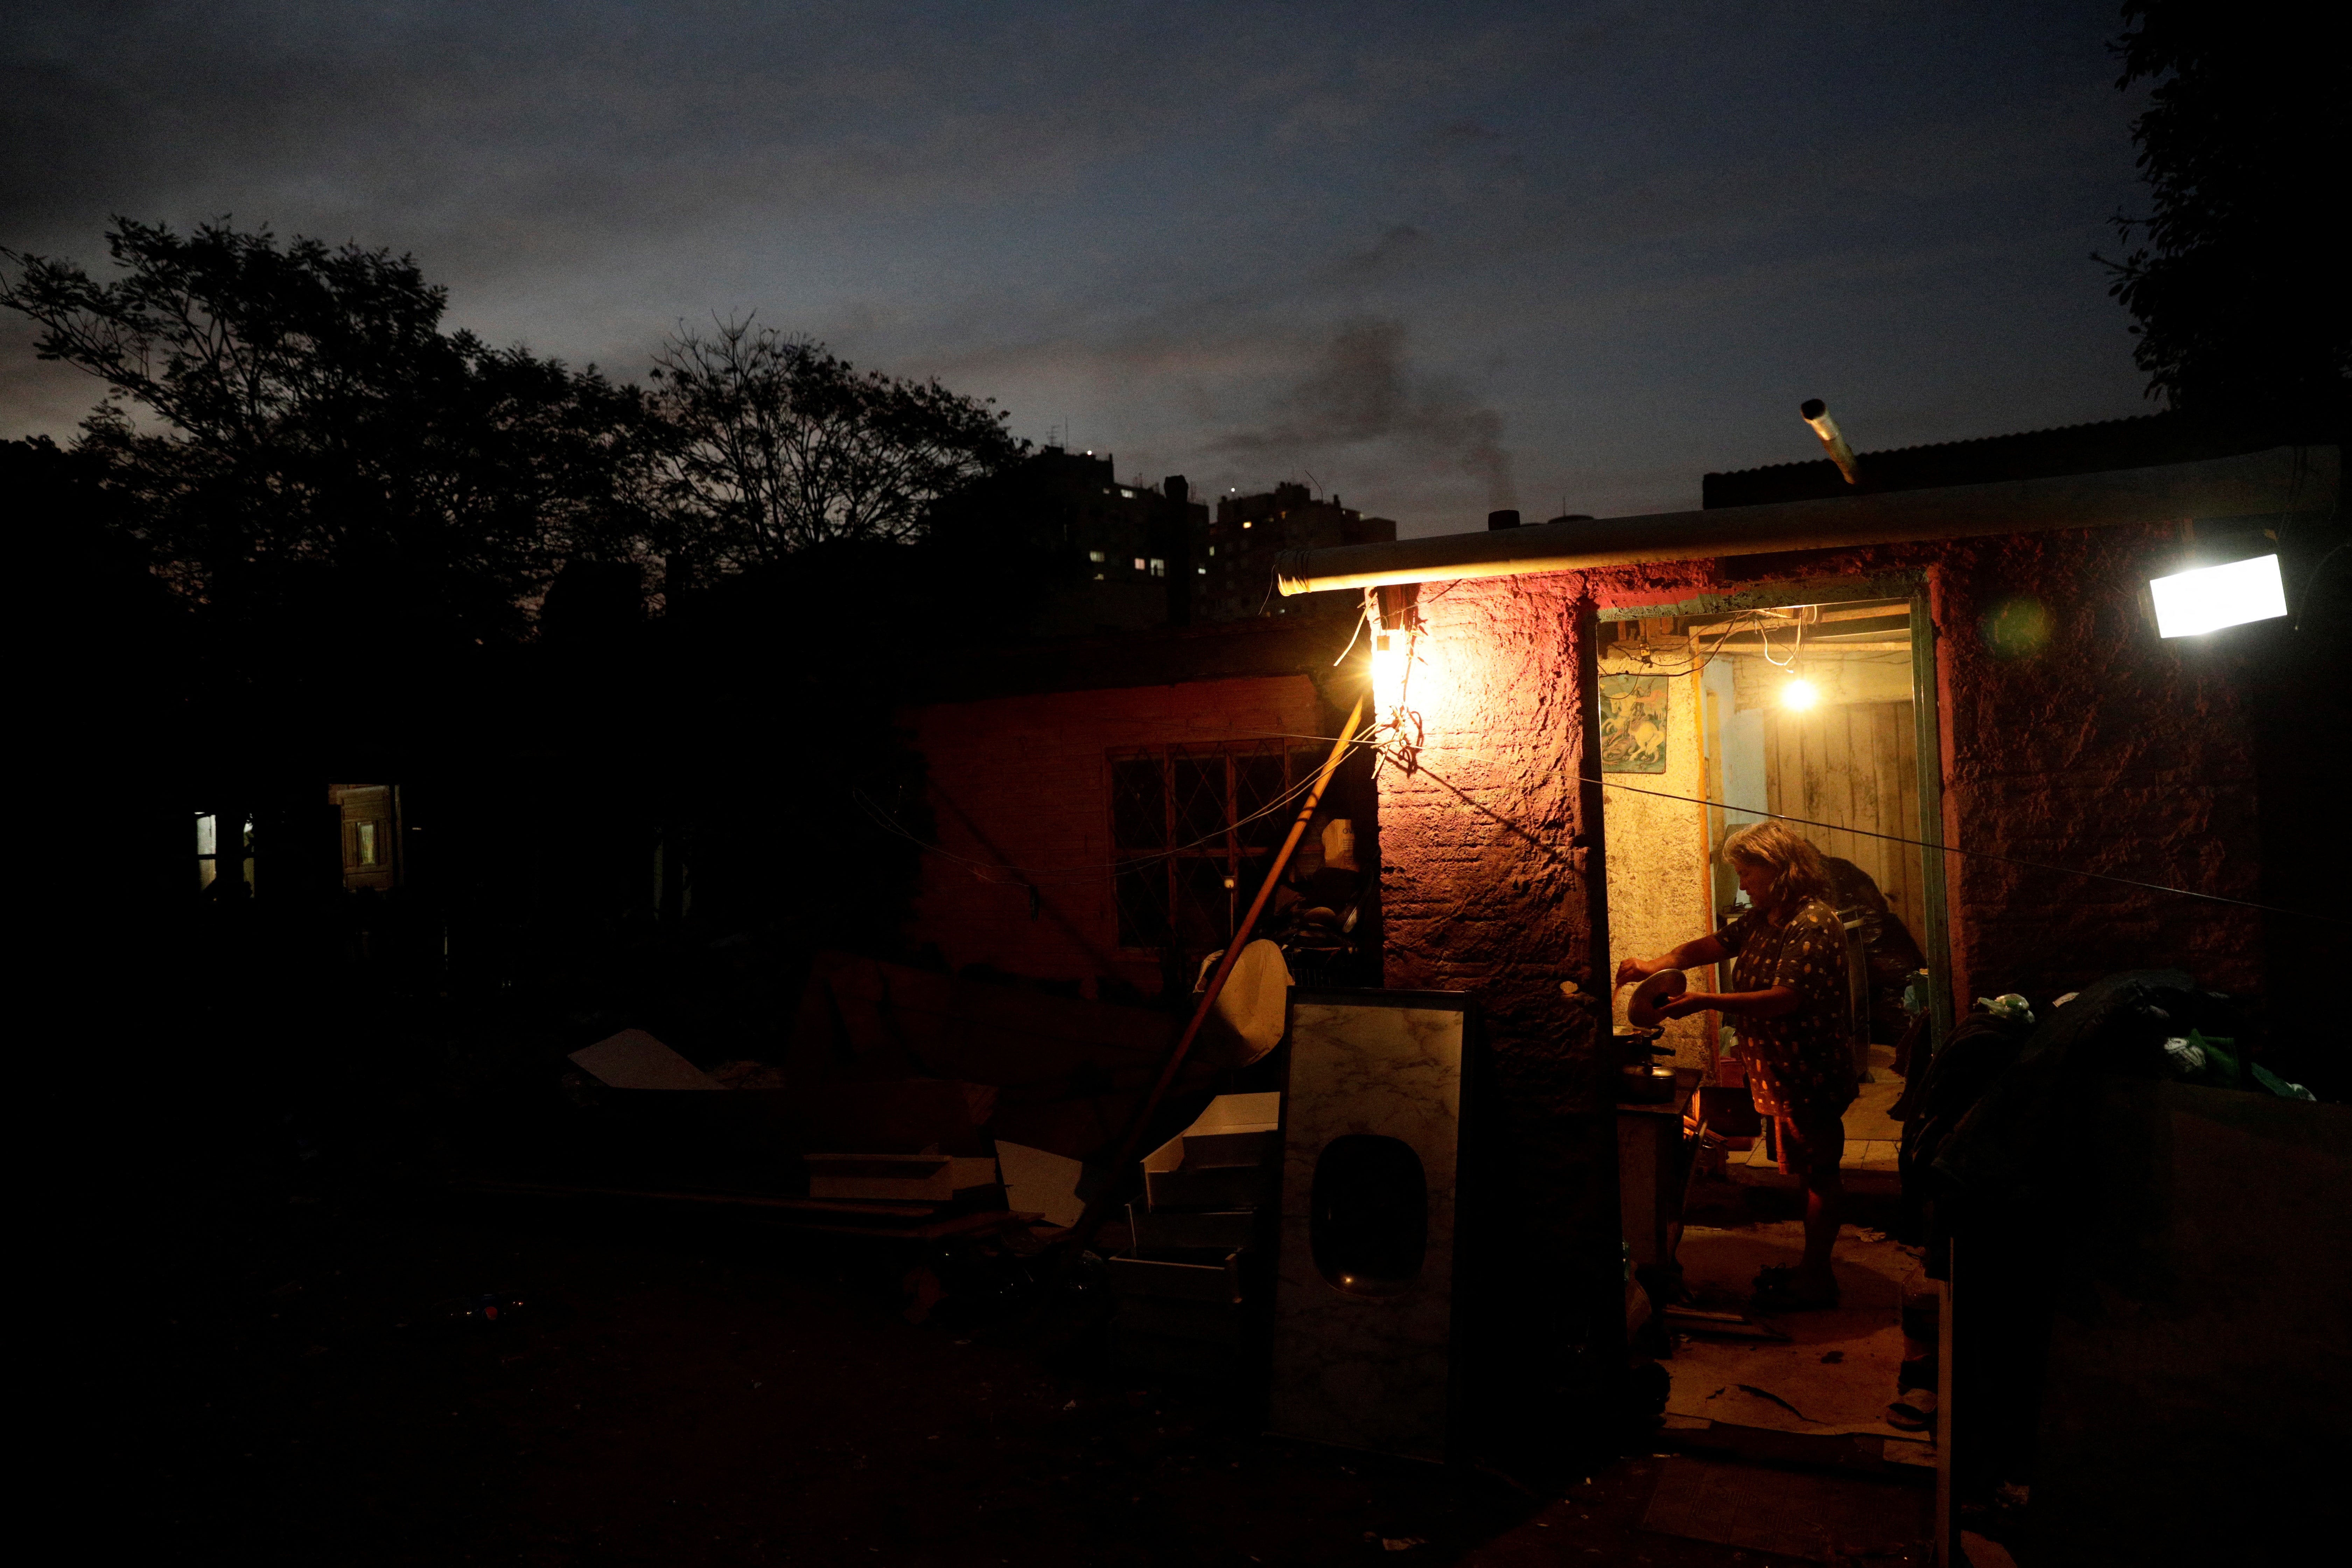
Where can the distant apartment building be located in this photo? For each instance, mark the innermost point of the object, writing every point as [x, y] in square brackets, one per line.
[1232, 554]
[1109, 555]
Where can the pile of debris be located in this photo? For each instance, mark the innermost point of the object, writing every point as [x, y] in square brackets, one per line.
[902, 1157]
[1195, 1275]
[900, 1101]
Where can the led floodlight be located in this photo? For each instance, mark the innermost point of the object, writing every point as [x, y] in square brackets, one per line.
[2211, 597]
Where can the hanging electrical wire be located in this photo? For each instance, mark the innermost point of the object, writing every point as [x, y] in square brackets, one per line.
[1757, 621]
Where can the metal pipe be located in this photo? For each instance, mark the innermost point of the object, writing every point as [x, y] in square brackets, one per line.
[2257, 483]
[1817, 413]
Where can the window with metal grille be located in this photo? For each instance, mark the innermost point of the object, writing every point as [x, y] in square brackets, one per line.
[1194, 829]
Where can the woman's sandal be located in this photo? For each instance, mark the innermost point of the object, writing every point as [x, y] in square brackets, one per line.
[1776, 1291]
[1914, 1410]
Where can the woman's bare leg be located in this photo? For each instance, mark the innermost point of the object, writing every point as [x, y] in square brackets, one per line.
[1824, 1204]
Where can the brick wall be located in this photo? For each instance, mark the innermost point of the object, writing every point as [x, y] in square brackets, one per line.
[1021, 781]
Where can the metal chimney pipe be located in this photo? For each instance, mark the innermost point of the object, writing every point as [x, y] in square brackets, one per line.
[1817, 414]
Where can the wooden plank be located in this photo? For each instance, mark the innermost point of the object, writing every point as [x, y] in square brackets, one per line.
[1845, 789]
[1835, 763]
[1887, 815]
[1902, 859]
[1803, 758]
[1906, 763]
[1812, 767]
[1846, 802]
[1772, 769]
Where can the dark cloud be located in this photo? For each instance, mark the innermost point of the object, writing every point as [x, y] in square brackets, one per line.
[1362, 404]
[1219, 238]
[1385, 257]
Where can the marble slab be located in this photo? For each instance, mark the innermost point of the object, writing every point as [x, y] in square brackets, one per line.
[1358, 1370]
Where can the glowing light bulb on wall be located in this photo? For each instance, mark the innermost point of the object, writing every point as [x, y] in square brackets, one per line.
[1799, 695]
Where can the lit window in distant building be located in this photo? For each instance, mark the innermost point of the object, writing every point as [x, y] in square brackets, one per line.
[1159, 567]
[1095, 556]
[1213, 549]
[1203, 571]
[1139, 563]
[1244, 522]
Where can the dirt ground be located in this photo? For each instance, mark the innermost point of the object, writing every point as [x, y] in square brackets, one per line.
[314, 1388]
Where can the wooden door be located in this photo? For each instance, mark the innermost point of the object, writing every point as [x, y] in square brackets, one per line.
[1856, 764]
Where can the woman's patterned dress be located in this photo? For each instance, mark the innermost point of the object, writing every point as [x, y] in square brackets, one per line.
[1799, 1065]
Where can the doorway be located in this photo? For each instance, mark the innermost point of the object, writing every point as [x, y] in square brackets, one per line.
[1712, 719]
[1814, 705]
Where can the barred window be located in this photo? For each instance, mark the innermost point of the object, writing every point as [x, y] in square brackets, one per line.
[1194, 829]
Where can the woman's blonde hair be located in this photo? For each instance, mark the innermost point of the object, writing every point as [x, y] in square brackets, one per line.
[1796, 866]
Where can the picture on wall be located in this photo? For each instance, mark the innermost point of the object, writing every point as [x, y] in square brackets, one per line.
[1633, 723]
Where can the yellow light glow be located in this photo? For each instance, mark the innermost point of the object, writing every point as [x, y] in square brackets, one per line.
[1799, 695]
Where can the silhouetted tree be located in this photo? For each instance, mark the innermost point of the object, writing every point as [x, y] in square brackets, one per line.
[272, 411]
[777, 445]
[2238, 291]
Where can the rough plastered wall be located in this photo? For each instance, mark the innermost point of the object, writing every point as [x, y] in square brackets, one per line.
[1024, 782]
[1487, 886]
[1657, 853]
[2073, 736]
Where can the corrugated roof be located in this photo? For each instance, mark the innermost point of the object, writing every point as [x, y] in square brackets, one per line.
[2144, 440]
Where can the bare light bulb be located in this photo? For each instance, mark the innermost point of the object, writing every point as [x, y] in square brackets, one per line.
[1799, 695]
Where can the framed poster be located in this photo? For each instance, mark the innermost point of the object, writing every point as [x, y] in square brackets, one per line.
[1633, 723]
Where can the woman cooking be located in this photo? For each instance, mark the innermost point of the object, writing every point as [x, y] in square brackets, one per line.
[1788, 999]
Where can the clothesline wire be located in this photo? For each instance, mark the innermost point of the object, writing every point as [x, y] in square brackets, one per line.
[1977, 854]
[1363, 739]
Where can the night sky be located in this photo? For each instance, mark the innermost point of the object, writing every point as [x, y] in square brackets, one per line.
[1438, 258]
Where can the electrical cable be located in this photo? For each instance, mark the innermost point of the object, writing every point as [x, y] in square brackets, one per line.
[1742, 620]
[1363, 618]
[1896, 838]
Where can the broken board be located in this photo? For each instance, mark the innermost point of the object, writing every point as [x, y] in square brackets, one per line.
[635, 1060]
